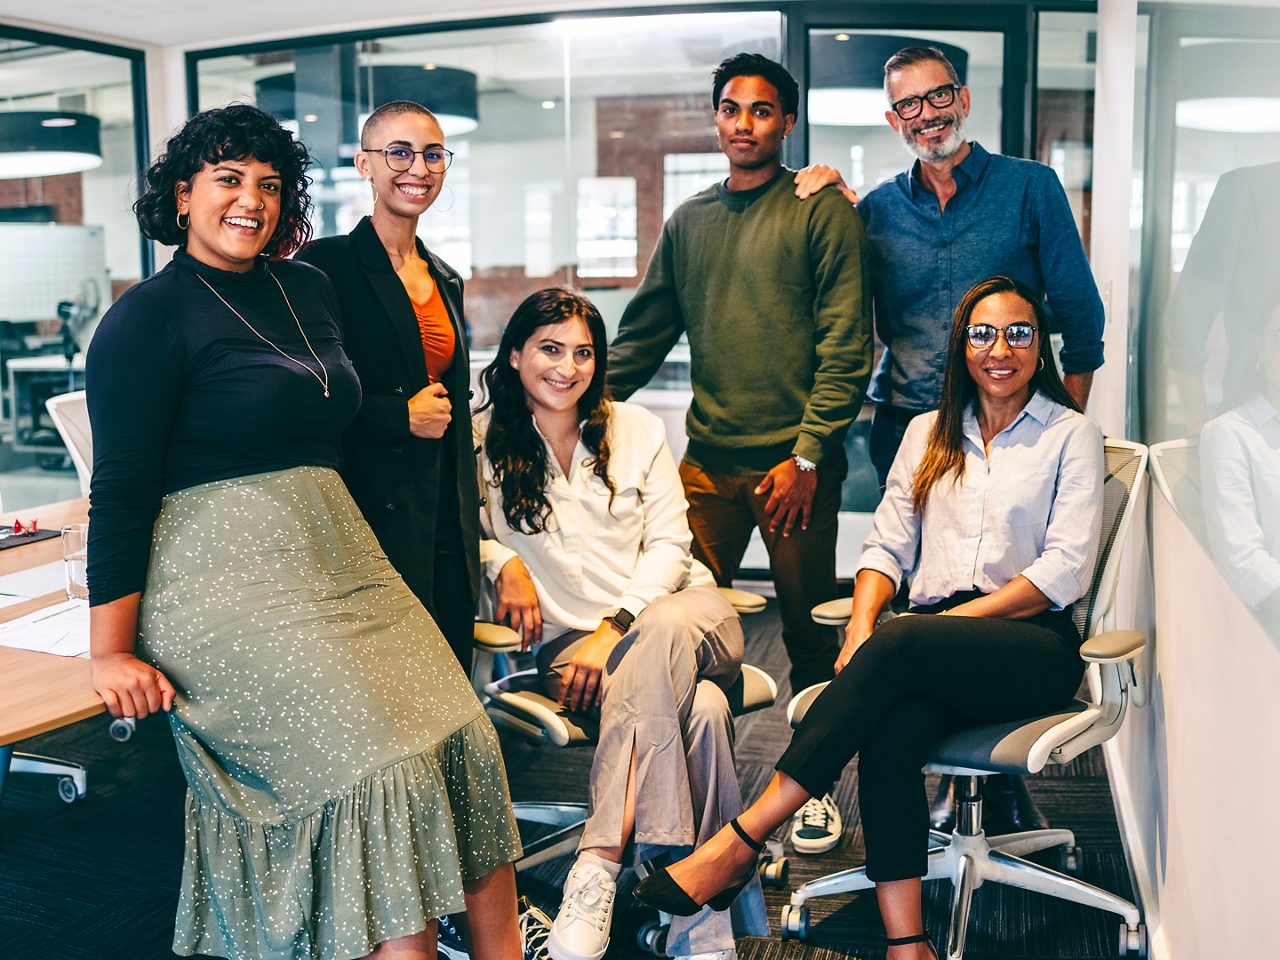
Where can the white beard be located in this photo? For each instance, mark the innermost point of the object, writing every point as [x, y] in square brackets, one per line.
[945, 149]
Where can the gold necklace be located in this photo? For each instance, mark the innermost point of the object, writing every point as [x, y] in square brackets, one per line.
[324, 382]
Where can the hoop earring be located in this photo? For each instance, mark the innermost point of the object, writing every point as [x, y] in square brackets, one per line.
[451, 198]
[1041, 367]
[375, 194]
[181, 225]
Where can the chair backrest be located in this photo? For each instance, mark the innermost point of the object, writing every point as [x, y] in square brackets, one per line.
[1126, 472]
[1175, 470]
[70, 415]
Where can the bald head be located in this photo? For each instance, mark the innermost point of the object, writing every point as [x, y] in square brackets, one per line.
[371, 131]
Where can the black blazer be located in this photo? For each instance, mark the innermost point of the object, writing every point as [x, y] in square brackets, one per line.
[394, 476]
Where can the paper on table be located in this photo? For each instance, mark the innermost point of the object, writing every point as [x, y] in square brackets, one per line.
[35, 582]
[62, 629]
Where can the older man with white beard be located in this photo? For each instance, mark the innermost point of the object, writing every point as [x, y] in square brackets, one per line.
[957, 217]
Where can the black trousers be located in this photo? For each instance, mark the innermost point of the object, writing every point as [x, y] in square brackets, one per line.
[916, 679]
[452, 606]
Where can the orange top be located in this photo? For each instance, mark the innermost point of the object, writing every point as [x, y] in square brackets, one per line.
[438, 341]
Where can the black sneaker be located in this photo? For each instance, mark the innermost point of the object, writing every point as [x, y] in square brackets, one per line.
[449, 942]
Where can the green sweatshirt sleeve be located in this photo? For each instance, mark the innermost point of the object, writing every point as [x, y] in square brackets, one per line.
[650, 326]
[841, 258]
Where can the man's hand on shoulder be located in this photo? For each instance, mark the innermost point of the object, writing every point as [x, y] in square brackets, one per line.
[790, 491]
[818, 176]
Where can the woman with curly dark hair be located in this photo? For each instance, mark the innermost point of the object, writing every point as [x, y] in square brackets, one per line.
[589, 550]
[344, 785]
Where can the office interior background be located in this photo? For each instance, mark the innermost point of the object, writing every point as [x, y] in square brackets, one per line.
[577, 130]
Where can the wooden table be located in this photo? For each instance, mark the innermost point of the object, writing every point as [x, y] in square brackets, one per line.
[40, 692]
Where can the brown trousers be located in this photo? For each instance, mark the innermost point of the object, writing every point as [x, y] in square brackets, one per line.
[724, 509]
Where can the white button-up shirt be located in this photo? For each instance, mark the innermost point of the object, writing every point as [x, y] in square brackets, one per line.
[595, 556]
[1240, 490]
[1031, 505]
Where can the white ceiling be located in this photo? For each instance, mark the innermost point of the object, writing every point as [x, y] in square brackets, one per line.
[167, 23]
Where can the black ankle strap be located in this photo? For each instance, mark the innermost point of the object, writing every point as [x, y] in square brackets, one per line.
[745, 837]
[903, 941]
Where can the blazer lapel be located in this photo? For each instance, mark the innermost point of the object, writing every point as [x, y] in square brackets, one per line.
[392, 297]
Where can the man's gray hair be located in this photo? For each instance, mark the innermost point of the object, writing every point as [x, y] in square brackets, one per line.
[910, 56]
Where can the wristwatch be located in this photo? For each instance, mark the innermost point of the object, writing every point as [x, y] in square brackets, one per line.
[806, 466]
[622, 619]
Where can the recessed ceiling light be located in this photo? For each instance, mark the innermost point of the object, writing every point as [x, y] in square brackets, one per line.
[616, 134]
[842, 37]
[428, 66]
[59, 122]
[548, 104]
[310, 118]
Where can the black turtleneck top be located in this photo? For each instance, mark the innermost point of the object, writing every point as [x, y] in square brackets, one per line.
[182, 392]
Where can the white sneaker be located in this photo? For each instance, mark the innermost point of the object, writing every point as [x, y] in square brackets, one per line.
[581, 928]
[817, 827]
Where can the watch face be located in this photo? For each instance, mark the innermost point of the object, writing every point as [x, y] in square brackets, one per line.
[622, 619]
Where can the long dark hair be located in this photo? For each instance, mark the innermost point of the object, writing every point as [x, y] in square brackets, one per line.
[236, 132]
[945, 453]
[512, 443]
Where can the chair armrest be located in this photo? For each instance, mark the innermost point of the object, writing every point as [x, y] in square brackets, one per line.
[494, 637]
[833, 613]
[743, 601]
[1114, 646]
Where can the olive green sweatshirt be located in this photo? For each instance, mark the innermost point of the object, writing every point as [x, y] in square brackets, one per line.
[775, 295]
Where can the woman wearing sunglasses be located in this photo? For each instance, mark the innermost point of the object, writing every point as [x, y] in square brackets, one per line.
[993, 511]
[407, 456]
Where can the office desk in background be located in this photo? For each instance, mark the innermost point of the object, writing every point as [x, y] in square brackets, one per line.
[40, 692]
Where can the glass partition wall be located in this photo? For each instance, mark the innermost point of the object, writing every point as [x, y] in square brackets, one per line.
[72, 136]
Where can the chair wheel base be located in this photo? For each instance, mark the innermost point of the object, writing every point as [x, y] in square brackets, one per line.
[652, 937]
[1072, 861]
[1133, 940]
[773, 873]
[794, 922]
[68, 792]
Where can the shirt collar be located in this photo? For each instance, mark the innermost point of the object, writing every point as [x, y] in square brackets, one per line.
[970, 168]
[1040, 408]
[1259, 410]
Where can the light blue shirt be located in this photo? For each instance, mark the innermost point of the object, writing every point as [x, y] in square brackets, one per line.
[1240, 489]
[1031, 506]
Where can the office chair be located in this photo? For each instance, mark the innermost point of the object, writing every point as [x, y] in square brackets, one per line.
[516, 702]
[70, 415]
[967, 857]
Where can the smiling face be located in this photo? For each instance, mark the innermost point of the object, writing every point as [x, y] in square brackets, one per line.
[556, 365]
[934, 134]
[234, 206]
[750, 124]
[999, 372]
[410, 193]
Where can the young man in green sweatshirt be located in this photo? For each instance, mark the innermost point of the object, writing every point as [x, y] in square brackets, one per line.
[774, 295]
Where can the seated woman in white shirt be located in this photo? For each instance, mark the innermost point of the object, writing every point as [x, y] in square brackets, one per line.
[993, 510]
[1240, 485]
[589, 549]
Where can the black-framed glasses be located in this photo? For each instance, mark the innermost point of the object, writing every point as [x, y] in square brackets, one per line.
[908, 108]
[400, 159]
[983, 336]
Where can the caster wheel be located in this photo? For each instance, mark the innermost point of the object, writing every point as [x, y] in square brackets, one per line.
[67, 790]
[652, 937]
[774, 873]
[1072, 861]
[794, 922]
[1133, 940]
[122, 729]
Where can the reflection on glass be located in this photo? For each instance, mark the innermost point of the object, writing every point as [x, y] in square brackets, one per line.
[68, 241]
[1240, 480]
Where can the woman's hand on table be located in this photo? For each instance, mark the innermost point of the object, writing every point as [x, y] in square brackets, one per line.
[518, 602]
[582, 682]
[129, 687]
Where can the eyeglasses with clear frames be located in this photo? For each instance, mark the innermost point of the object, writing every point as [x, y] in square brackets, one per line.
[400, 159]
[983, 336]
[908, 108]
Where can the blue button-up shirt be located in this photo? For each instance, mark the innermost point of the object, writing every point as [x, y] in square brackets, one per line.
[1009, 217]
[1029, 506]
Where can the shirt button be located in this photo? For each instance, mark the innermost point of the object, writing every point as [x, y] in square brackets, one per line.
[476, 451]
[398, 391]
[389, 507]
[397, 450]
[471, 394]
[483, 501]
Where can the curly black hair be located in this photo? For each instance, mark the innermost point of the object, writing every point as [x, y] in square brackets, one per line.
[235, 132]
[512, 442]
